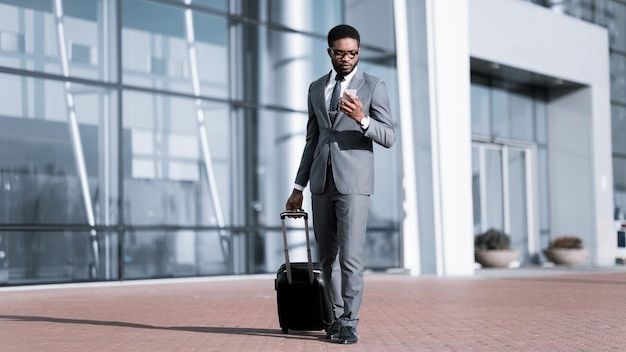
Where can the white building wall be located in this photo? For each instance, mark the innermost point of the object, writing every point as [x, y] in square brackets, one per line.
[449, 76]
[536, 39]
[410, 226]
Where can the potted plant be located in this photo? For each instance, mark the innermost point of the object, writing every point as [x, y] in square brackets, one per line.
[492, 249]
[566, 250]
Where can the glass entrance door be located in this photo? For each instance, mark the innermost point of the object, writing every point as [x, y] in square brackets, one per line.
[503, 196]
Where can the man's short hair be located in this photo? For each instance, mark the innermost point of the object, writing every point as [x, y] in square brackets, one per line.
[343, 31]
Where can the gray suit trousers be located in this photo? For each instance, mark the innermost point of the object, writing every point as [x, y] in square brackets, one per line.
[340, 223]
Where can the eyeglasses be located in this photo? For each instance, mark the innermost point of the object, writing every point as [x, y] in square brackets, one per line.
[340, 53]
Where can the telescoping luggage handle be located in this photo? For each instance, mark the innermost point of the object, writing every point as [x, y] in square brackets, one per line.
[296, 214]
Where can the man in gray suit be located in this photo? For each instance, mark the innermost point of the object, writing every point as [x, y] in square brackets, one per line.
[338, 160]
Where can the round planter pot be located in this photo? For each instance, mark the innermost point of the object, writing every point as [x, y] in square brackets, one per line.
[500, 258]
[564, 256]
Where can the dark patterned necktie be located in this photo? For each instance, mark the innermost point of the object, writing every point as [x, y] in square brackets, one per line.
[334, 99]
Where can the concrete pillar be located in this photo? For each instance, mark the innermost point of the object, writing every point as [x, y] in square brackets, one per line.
[449, 91]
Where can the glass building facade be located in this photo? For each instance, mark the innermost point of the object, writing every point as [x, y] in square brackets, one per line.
[160, 138]
[144, 139]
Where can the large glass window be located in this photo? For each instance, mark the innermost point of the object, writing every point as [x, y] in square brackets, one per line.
[289, 62]
[382, 34]
[221, 5]
[618, 78]
[481, 116]
[30, 257]
[506, 111]
[509, 128]
[512, 114]
[183, 166]
[58, 154]
[619, 158]
[188, 55]
[165, 253]
[619, 176]
[68, 37]
[323, 14]
[179, 170]
[618, 126]
[617, 25]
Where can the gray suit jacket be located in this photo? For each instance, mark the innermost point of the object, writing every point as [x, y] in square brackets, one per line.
[350, 146]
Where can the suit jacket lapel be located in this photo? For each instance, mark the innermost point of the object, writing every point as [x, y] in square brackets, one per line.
[357, 80]
[319, 98]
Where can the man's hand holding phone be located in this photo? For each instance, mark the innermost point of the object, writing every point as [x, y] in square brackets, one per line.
[351, 105]
[349, 92]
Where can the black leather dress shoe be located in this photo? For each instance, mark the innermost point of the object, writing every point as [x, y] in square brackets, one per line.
[348, 335]
[332, 333]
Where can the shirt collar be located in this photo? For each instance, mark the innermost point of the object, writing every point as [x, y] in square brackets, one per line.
[347, 77]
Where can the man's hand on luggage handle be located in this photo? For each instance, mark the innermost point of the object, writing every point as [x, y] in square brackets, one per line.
[295, 201]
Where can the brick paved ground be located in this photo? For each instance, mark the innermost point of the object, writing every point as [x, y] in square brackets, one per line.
[546, 310]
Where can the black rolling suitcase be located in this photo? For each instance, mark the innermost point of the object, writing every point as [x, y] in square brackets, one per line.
[301, 293]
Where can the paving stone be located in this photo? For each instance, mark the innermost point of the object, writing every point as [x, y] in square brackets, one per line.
[539, 310]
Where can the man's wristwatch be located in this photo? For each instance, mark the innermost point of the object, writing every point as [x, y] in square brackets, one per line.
[365, 122]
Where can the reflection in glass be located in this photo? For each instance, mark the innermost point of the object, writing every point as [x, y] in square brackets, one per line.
[501, 182]
[160, 254]
[476, 189]
[521, 118]
[494, 205]
[618, 78]
[543, 193]
[221, 5]
[43, 257]
[617, 25]
[381, 35]
[166, 180]
[619, 177]
[480, 110]
[541, 117]
[158, 56]
[507, 111]
[500, 112]
[382, 246]
[518, 200]
[618, 126]
[289, 62]
[488, 189]
[29, 36]
[37, 162]
[316, 16]
[619, 174]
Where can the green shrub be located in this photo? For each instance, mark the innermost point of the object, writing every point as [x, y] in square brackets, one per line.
[567, 242]
[492, 239]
